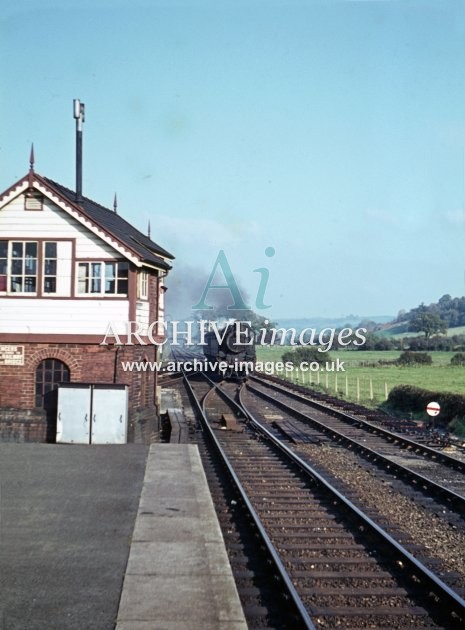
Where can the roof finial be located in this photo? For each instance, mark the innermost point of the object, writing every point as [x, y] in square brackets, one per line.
[115, 204]
[31, 158]
[31, 166]
[148, 229]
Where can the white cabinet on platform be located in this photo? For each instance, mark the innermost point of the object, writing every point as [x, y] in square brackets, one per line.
[92, 414]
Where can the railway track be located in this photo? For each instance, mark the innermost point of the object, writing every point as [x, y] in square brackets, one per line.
[339, 567]
[401, 431]
[436, 474]
[431, 531]
[264, 597]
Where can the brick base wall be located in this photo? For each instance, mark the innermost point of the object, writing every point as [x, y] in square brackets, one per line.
[87, 364]
[23, 425]
[144, 427]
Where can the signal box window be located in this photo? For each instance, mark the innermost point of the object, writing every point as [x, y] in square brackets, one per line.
[3, 265]
[103, 278]
[18, 266]
[143, 285]
[50, 267]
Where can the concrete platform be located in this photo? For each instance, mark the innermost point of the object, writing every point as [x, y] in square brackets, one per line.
[178, 574]
[67, 513]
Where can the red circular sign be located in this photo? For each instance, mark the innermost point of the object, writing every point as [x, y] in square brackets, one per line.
[433, 408]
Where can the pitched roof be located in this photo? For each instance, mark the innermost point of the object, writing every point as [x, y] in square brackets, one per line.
[113, 223]
[116, 228]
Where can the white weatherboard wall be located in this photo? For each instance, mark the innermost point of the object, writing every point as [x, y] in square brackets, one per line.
[64, 264]
[142, 316]
[54, 316]
[63, 317]
[49, 223]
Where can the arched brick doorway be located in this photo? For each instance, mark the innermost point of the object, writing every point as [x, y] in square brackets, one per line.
[49, 374]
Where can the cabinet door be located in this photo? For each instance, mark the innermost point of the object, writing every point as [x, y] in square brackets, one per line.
[73, 415]
[109, 416]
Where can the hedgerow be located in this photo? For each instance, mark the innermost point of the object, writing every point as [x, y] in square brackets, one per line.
[414, 358]
[411, 399]
[458, 359]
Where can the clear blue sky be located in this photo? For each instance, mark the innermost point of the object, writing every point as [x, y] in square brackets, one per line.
[332, 131]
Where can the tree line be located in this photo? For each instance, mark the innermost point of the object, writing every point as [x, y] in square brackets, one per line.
[447, 312]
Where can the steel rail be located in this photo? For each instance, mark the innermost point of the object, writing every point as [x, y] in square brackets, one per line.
[294, 596]
[452, 499]
[372, 428]
[179, 357]
[421, 574]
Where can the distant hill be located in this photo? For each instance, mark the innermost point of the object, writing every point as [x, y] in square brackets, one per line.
[332, 322]
[450, 310]
[395, 329]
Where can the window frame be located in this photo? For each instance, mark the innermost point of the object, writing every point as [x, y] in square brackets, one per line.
[6, 268]
[45, 275]
[10, 259]
[102, 278]
[143, 285]
[45, 378]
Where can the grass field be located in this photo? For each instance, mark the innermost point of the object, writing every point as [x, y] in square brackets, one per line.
[399, 332]
[364, 380]
[458, 330]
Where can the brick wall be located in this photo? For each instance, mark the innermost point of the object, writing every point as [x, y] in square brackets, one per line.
[23, 425]
[87, 364]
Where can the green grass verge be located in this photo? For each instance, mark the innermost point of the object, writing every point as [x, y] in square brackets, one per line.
[364, 380]
[401, 332]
